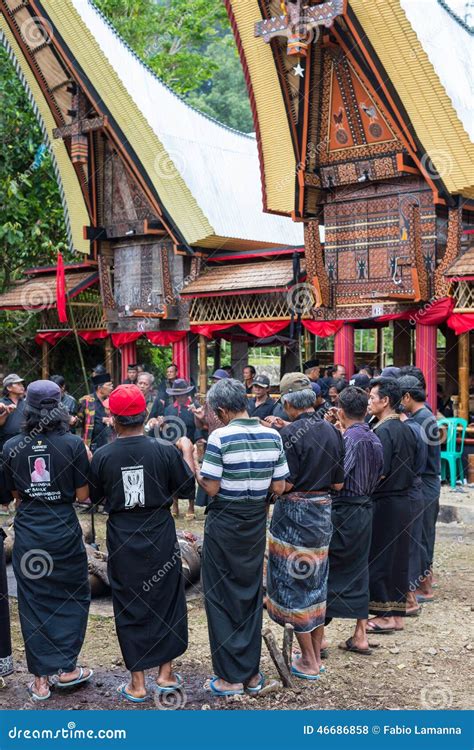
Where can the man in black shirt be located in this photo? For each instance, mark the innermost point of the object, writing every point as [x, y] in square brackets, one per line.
[262, 405]
[138, 478]
[392, 510]
[11, 419]
[413, 402]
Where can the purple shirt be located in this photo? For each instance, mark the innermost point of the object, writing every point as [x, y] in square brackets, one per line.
[363, 461]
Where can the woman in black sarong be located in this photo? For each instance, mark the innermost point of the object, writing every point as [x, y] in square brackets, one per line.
[6, 658]
[47, 469]
[138, 476]
[243, 461]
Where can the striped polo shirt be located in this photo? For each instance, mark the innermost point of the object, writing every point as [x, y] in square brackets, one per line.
[245, 457]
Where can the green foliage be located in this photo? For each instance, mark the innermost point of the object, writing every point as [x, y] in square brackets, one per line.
[31, 218]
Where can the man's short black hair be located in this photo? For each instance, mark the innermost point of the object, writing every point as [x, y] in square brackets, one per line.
[353, 401]
[411, 385]
[59, 380]
[388, 388]
[341, 384]
[415, 372]
[251, 368]
[131, 421]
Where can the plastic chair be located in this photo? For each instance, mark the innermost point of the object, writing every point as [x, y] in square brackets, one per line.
[451, 458]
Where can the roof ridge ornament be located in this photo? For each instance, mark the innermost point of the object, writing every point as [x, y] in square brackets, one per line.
[300, 23]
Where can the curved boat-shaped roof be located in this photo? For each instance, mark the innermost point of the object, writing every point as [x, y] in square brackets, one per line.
[206, 175]
[428, 57]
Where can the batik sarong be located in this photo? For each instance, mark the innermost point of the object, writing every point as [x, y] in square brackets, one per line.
[297, 575]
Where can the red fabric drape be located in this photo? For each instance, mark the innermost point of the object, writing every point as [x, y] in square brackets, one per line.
[461, 322]
[427, 360]
[52, 337]
[165, 338]
[120, 339]
[436, 313]
[208, 329]
[61, 290]
[129, 356]
[323, 328]
[90, 336]
[344, 347]
[181, 358]
[264, 330]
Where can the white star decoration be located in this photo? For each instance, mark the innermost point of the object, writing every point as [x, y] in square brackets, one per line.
[298, 71]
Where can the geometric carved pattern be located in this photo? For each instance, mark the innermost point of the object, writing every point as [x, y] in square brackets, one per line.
[316, 273]
[240, 308]
[88, 314]
[453, 248]
[464, 296]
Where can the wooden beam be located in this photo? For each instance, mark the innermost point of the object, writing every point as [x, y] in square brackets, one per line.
[80, 127]
[44, 360]
[202, 365]
[463, 374]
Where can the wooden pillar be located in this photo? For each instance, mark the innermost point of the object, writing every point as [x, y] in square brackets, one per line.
[44, 360]
[344, 348]
[202, 365]
[109, 357]
[463, 370]
[129, 355]
[181, 357]
[217, 354]
[193, 343]
[239, 354]
[380, 348]
[427, 361]
[401, 343]
[451, 383]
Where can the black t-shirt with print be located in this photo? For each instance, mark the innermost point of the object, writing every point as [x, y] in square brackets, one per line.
[135, 473]
[48, 468]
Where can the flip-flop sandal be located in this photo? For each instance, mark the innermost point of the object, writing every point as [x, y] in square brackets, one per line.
[122, 691]
[256, 689]
[171, 688]
[415, 613]
[324, 653]
[35, 697]
[382, 631]
[424, 599]
[349, 646]
[78, 681]
[216, 690]
[303, 675]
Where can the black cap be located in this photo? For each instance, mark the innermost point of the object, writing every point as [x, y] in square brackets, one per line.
[360, 381]
[262, 381]
[310, 364]
[104, 377]
[132, 366]
[43, 394]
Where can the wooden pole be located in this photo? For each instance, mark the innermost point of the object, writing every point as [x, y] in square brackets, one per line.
[44, 360]
[202, 365]
[78, 344]
[109, 357]
[277, 658]
[463, 372]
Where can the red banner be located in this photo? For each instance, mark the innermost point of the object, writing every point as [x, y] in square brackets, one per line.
[461, 322]
[119, 339]
[61, 290]
[264, 330]
[323, 328]
[165, 338]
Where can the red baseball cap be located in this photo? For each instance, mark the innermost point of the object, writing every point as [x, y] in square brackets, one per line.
[126, 401]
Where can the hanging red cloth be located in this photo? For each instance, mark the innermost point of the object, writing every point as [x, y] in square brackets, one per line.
[120, 339]
[90, 336]
[436, 313]
[165, 338]
[323, 328]
[264, 330]
[61, 290]
[461, 322]
[208, 329]
[51, 337]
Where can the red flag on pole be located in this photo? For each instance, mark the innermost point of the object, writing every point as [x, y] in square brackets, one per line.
[61, 290]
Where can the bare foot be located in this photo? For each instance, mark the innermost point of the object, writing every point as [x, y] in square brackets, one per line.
[135, 692]
[255, 680]
[385, 623]
[171, 681]
[66, 677]
[305, 667]
[224, 686]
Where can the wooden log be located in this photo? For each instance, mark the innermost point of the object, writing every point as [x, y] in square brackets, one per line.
[288, 645]
[277, 658]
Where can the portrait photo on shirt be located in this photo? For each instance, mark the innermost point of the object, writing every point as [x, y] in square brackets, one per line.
[133, 480]
[40, 468]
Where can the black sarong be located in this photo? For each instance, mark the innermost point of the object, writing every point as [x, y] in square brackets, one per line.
[144, 569]
[232, 570]
[6, 659]
[389, 555]
[348, 582]
[431, 491]
[416, 530]
[50, 564]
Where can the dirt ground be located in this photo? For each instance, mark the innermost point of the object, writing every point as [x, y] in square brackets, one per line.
[428, 666]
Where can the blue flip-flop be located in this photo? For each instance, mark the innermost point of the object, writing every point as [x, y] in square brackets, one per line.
[322, 669]
[303, 675]
[423, 599]
[121, 691]
[171, 688]
[78, 681]
[256, 689]
[216, 690]
[35, 697]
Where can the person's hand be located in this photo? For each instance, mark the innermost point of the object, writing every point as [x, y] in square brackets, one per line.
[198, 411]
[184, 445]
[276, 422]
[403, 417]
[10, 408]
[331, 415]
[108, 421]
[72, 421]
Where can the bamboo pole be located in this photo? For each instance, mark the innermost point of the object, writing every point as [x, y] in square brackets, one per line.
[202, 365]
[78, 344]
[45, 360]
[463, 374]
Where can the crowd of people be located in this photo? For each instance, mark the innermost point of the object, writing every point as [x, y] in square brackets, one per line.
[336, 480]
